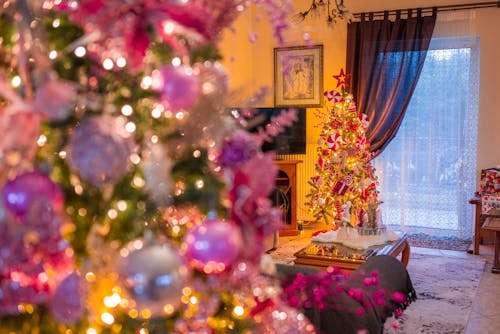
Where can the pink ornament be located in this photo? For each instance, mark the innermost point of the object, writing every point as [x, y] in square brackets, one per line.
[55, 98]
[20, 129]
[213, 246]
[28, 189]
[334, 141]
[66, 304]
[179, 87]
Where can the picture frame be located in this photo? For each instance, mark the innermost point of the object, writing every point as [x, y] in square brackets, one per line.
[298, 76]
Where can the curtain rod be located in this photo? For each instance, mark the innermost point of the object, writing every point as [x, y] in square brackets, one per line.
[444, 8]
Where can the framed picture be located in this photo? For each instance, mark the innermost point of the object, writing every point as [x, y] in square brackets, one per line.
[298, 76]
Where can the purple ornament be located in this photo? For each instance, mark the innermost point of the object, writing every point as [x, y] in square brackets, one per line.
[238, 149]
[179, 87]
[66, 304]
[32, 189]
[213, 246]
[99, 149]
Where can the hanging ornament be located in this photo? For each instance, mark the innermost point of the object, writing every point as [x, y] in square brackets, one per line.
[237, 150]
[335, 124]
[178, 86]
[342, 185]
[153, 274]
[333, 96]
[364, 120]
[66, 304]
[157, 167]
[213, 246]
[54, 99]
[334, 141]
[99, 149]
[20, 130]
[28, 189]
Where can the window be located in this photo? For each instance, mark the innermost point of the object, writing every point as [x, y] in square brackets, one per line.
[426, 173]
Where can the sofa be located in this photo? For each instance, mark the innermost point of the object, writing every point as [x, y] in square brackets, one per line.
[342, 317]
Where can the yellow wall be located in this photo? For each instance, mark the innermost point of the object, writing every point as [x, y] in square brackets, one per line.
[250, 66]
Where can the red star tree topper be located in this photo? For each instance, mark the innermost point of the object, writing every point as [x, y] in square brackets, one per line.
[342, 79]
[343, 171]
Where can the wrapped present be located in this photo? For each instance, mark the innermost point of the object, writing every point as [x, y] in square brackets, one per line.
[490, 181]
[489, 203]
[342, 185]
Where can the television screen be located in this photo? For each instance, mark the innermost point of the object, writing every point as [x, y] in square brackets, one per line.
[292, 140]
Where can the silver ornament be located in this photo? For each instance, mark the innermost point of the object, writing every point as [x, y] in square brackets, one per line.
[153, 274]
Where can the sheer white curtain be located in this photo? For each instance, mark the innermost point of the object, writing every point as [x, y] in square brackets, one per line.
[427, 173]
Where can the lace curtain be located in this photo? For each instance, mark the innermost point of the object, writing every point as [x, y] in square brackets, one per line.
[426, 172]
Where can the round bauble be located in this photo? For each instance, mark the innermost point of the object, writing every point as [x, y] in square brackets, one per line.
[213, 246]
[179, 87]
[29, 189]
[99, 149]
[153, 274]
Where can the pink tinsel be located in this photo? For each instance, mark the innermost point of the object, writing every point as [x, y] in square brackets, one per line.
[251, 208]
[276, 125]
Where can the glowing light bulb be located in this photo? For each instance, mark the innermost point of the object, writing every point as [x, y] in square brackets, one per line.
[130, 127]
[127, 110]
[176, 61]
[107, 318]
[41, 140]
[121, 62]
[16, 81]
[108, 64]
[80, 51]
[238, 311]
[112, 214]
[121, 205]
[146, 82]
[113, 300]
[199, 184]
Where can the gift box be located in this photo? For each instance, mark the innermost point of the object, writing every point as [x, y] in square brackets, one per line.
[490, 182]
[341, 186]
[489, 202]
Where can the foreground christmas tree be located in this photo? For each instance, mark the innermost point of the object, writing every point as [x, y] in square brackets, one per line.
[133, 200]
[344, 188]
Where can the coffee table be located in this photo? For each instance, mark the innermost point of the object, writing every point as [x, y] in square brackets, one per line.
[323, 255]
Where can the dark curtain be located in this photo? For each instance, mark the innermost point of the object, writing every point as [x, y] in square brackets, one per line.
[385, 59]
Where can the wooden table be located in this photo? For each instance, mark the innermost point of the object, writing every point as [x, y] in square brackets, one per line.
[478, 221]
[323, 255]
[492, 223]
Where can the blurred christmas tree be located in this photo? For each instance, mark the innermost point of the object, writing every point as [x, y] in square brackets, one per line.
[344, 188]
[133, 200]
[129, 192]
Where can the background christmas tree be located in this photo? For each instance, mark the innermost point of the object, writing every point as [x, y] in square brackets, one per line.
[344, 186]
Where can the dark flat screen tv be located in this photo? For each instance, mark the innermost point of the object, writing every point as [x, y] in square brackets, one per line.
[292, 140]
